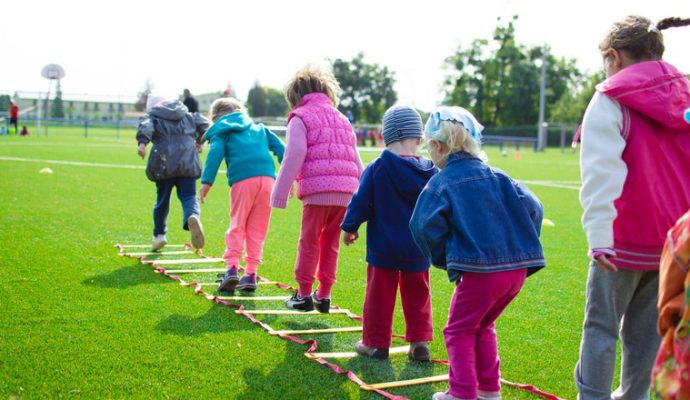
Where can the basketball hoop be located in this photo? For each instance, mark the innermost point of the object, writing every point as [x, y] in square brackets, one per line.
[53, 71]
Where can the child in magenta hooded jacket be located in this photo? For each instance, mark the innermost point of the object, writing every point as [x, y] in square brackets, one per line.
[321, 154]
[635, 166]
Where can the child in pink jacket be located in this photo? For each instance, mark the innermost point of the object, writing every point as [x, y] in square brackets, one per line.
[321, 154]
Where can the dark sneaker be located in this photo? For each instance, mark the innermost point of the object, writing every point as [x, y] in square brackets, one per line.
[419, 351]
[323, 305]
[229, 281]
[197, 231]
[371, 352]
[247, 283]
[295, 303]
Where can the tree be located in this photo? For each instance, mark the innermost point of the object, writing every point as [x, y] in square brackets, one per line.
[4, 102]
[57, 108]
[257, 103]
[572, 105]
[142, 96]
[500, 85]
[367, 89]
[277, 105]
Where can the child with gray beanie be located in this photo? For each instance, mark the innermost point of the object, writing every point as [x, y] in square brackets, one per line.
[385, 199]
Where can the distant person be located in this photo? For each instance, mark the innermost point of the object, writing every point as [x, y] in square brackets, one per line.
[322, 155]
[190, 102]
[635, 168]
[25, 131]
[387, 193]
[174, 163]
[14, 115]
[251, 173]
[483, 228]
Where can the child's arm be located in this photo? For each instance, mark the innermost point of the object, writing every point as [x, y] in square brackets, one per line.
[144, 135]
[361, 207]
[430, 226]
[275, 145]
[215, 156]
[295, 152]
[531, 203]
[603, 171]
[202, 125]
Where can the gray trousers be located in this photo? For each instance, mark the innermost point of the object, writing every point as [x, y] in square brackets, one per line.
[622, 301]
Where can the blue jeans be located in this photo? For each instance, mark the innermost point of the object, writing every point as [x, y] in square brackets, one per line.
[186, 192]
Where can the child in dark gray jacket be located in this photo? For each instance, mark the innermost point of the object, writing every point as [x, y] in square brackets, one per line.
[174, 162]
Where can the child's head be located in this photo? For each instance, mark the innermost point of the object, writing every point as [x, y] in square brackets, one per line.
[450, 130]
[152, 101]
[311, 79]
[634, 39]
[401, 123]
[224, 106]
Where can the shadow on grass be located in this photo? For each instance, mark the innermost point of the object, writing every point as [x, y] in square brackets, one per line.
[217, 319]
[137, 274]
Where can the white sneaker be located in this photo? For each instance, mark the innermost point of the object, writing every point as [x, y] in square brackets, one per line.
[197, 231]
[159, 241]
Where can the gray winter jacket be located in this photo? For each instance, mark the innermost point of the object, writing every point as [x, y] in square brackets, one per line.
[174, 133]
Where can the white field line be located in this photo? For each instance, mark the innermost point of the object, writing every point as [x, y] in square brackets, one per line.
[553, 184]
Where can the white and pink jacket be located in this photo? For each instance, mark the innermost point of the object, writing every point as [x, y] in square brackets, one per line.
[321, 154]
[635, 162]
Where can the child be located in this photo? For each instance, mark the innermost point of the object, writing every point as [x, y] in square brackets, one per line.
[483, 228]
[635, 163]
[387, 194]
[322, 155]
[174, 162]
[251, 173]
[25, 131]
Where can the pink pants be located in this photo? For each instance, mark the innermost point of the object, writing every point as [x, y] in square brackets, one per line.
[479, 299]
[250, 213]
[317, 252]
[379, 304]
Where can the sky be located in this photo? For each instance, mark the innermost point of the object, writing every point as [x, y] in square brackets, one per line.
[110, 49]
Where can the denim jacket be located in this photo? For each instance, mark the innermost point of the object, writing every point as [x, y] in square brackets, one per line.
[472, 217]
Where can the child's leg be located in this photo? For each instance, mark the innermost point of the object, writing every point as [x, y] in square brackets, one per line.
[313, 218]
[257, 223]
[640, 339]
[379, 304]
[329, 246]
[162, 206]
[186, 192]
[415, 294]
[608, 296]
[477, 301]
[241, 202]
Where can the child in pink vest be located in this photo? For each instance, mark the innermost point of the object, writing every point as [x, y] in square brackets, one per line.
[635, 166]
[321, 154]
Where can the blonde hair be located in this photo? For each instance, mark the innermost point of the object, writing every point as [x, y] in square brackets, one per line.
[456, 139]
[312, 79]
[224, 106]
[639, 37]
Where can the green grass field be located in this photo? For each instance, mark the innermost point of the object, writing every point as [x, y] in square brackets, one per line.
[78, 320]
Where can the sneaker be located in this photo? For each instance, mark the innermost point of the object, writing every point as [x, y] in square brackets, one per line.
[229, 280]
[486, 395]
[371, 352]
[159, 241]
[247, 283]
[444, 396]
[295, 303]
[419, 351]
[323, 305]
[194, 225]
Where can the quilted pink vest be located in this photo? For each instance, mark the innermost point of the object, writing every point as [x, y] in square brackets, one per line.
[331, 161]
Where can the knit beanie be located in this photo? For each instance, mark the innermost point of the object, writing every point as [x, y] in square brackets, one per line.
[401, 122]
[152, 101]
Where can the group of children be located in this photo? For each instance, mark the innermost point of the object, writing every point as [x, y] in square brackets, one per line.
[469, 219]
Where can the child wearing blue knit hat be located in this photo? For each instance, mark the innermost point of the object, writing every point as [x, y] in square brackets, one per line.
[387, 193]
[483, 228]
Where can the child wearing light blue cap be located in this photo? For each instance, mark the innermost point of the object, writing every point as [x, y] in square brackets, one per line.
[483, 228]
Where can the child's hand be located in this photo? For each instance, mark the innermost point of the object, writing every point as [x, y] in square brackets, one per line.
[142, 150]
[205, 187]
[605, 265]
[292, 191]
[350, 238]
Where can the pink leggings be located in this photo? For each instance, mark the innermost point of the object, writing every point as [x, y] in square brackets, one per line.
[479, 299]
[317, 252]
[250, 213]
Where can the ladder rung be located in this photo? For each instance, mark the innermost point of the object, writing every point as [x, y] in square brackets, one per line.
[409, 382]
[316, 331]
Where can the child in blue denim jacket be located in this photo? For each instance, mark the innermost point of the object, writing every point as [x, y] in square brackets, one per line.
[483, 228]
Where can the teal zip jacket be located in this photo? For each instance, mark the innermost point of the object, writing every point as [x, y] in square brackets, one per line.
[244, 145]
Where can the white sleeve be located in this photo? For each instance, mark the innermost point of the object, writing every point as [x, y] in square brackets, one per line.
[602, 169]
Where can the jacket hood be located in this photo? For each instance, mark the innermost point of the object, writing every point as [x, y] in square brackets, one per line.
[409, 174]
[655, 89]
[170, 110]
[230, 123]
